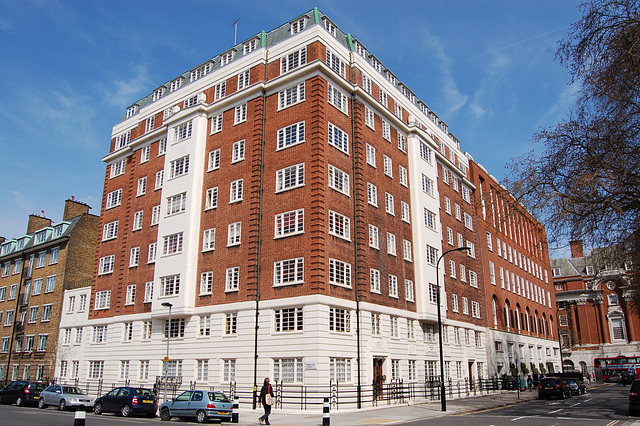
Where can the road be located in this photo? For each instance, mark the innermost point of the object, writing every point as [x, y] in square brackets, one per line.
[605, 406]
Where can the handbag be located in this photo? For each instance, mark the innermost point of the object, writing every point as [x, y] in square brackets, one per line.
[268, 399]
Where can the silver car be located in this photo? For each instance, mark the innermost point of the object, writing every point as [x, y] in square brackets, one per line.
[63, 396]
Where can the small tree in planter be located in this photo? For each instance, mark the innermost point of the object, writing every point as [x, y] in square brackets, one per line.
[534, 369]
[524, 368]
[542, 369]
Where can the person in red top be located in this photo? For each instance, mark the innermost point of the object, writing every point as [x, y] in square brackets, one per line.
[266, 390]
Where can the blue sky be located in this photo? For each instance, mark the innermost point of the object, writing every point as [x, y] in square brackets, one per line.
[70, 68]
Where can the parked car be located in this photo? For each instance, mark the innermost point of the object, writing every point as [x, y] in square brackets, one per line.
[63, 396]
[576, 386]
[21, 392]
[634, 398]
[553, 386]
[627, 377]
[127, 401]
[199, 404]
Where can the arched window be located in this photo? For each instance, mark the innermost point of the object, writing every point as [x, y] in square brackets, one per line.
[494, 309]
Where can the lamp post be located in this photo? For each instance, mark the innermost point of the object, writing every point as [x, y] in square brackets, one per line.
[166, 358]
[443, 399]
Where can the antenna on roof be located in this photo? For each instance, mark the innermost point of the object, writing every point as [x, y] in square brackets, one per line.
[235, 32]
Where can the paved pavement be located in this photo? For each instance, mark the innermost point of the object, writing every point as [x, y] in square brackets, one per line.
[383, 414]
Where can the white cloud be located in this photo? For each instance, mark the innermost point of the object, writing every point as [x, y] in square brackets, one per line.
[565, 100]
[125, 91]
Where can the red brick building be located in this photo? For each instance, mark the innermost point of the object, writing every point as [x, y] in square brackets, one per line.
[37, 268]
[593, 296]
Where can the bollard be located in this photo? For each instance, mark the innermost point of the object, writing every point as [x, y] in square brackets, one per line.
[80, 417]
[235, 414]
[326, 419]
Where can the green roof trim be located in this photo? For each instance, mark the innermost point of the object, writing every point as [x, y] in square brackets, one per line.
[350, 41]
[316, 15]
[263, 38]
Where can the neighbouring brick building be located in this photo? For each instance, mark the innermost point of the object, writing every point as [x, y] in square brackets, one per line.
[286, 202]
[593, 294]
[37, 268]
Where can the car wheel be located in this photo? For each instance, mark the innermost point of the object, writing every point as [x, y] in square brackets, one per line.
[19, 401]
[41, 403]
[562, 395]
[201, 416]
[125, 411]
[165, 414]
[97, 409]
[62, 405]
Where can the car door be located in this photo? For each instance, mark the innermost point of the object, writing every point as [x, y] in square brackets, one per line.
[109, 400]
[180, 405]
[194, 404]
[54, 397]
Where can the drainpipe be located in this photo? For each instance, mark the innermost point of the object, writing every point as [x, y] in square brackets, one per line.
[355, 228]
[258, 266]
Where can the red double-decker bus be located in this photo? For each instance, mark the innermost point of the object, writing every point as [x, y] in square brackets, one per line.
[615, 366]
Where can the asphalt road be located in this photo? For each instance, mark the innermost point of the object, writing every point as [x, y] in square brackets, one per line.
[606, 406]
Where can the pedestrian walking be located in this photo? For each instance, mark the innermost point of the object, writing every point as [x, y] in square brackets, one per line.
[530, 383]
[266, 399]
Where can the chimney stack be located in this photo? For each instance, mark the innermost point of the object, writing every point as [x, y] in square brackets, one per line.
[73, 208]
[576, 249]
[37, 223]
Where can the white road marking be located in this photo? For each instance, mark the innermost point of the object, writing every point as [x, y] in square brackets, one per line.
[555, 411]
[519, 418]
[576, 404]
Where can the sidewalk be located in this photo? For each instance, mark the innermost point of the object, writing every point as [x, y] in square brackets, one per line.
[383, 414]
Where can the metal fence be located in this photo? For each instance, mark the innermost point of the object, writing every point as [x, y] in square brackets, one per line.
[341, 395]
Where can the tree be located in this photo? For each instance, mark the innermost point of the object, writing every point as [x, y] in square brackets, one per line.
[585, 183]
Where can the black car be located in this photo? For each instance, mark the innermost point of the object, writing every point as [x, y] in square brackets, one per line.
[553, 386]
[21, 392]
[127, 401]
[627, 377]
[634, 398]
[576, 386]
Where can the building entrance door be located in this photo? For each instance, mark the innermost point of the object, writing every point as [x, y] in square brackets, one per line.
[378, 377]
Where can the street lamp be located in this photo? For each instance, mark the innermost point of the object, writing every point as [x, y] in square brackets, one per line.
[443, 398]
[166, 358]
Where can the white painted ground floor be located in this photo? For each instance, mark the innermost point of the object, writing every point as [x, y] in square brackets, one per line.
[505, 348]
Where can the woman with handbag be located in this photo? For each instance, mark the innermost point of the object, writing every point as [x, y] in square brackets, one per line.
[266, 399]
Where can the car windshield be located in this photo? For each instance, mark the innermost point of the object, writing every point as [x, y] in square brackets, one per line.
[571, 381]
[72, 390]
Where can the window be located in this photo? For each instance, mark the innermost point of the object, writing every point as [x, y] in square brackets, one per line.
[473, 279]
[404, 176]
[147, 328]
[96, 369]
[103, 299]
[8, 319]
[369, 117]
[105, 266]
[406, 249]
[427, 187]
[425, 152]
[158, 93]
[372, 194]
[297, 26]
[335, 63]
[131, 295]
[204, 328]
[214, 160]
[288, 370]
[149, 124]
[233, 279]
[409, 290]
[175, 329]
[339, 225]
[290, 177]
[430, 219]
[33, 314]
[41, 261]
[454, 303]
[162, 146]
[468, 221]
[240, 115]
[328, 25]
[291, 135]
[287, 272]
[402, 143]
[389, 204]
[393, 286]
[393, 326]
[137, 220]
[229, 370]
[220, 90]
[155, 215]
[235, 193]
[143, 370]
[183, 131]
[475, 309]
[231, 324]
[458, 212]
[388, 166]
[159, 179]
[433, 293]
[492, 272]
[127, 332]
[288, 319]
[148, 291]
[99, 334]
[118, 168]
[170, 285]
[338, 139]
[339, 273]
[391, 244]
[179, 167]
[243, 79]
[238, 151]
[134, 257]
[211, 198]
[617, 328]
[82, 303]
[338, 99]
[339, 320]
[383, 98]
[338, 180]
[216, 123]
[293, 60]
[432, 255]
[339, 369]
[114, 198]
[374, 240]
[202, 370]
[466, 194]
[374, 276]
[291, 96]
[208, 239]
[386, 131]
[172, 244]
[153, 251]
[463, 273]
[233, 236]
[123, 140]
[366, 83]
[289, 223]
[376, 330]
[200, 71]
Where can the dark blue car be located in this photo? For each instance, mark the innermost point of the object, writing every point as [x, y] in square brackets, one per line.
[127, 401]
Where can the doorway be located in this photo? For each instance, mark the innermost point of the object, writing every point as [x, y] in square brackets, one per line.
[378, 377]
